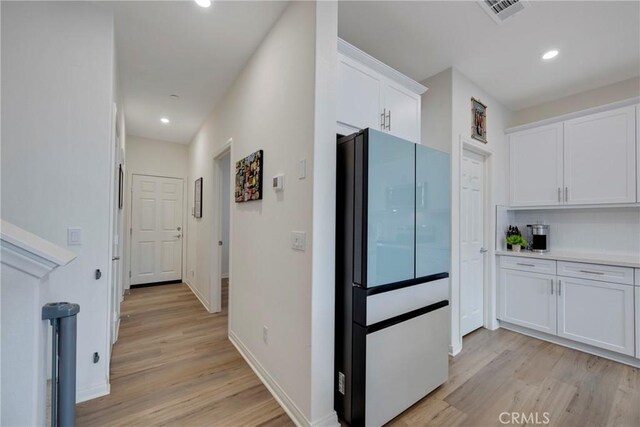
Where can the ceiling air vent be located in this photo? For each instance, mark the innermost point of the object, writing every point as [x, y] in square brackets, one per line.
[501, 10]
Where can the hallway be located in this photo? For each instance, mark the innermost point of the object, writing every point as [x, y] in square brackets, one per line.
[173, 364]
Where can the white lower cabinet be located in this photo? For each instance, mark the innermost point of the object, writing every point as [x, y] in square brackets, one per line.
[600, 314]
[528, 299]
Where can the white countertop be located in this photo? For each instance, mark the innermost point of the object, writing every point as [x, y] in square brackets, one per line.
[603, 259]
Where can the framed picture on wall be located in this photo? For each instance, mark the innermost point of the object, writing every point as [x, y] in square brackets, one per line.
[197, 199]
[120, 187]
[478, 120]
[248, 185]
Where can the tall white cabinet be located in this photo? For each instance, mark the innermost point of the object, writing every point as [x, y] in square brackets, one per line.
[583, 161]
[374, 95]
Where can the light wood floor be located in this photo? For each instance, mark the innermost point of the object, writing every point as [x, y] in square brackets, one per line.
[174, 365]
[502, 371]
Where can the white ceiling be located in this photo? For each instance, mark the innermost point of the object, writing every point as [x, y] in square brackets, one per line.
[177, 47]
[599, 44]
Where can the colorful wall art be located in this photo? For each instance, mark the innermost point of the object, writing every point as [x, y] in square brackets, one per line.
[249, 178]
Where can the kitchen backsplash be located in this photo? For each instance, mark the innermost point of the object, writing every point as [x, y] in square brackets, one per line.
[602, 230]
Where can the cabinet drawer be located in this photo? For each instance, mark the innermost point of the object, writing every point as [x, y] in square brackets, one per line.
[545, 266]
[605, 273]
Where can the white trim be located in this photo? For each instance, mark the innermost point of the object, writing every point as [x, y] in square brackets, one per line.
[490, 321]
[331, 419]
[354, 53]
[274, 388]
[197, 294]
[579, 207]
[215, 286]
[29, 253]
[569, 116]
[607, 354]
[93, 392]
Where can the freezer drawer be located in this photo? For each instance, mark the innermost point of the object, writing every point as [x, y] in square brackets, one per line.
[404, 363]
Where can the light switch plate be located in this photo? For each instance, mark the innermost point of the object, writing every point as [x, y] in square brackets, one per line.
[278, 183]
[74, 236]
[302, 169]
[298, 240]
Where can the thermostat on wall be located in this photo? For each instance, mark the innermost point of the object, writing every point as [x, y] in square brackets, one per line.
[278, 183]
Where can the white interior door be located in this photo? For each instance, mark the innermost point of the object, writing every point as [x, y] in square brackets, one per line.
[156, 236]
[471, 242]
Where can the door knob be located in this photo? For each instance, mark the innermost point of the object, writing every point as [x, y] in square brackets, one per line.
[483, 250]
[179, 228]
[115, 258]
[219, 242]
[178, 236]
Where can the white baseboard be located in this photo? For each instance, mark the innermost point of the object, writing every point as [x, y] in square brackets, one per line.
[607, 354]
[454, 350]
[197, 294]
[330, 420]
[278, 393]
[92, 392]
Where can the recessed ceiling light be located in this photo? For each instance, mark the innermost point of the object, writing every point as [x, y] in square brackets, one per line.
[203, 3]
[550, 54]
[164, 120]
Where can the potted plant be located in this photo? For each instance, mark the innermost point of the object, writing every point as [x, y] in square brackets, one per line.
[516, 242]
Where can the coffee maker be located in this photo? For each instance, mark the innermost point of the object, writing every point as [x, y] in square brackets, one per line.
[538, 237]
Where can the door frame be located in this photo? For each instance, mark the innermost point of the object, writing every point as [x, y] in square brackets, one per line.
[183, 231]
[489, 289]
[216, 253]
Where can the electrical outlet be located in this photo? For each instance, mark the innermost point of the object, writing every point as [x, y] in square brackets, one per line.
[341, 382]
[265, 334]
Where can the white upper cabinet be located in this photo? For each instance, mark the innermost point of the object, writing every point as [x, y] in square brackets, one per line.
[583, 161]
[374, 95]
[359, 96]
[638, 169]
[402, 112]
[535, 166]
[600, 158]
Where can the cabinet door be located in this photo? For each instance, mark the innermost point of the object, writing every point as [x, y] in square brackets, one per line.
[638, 163]
[359, 102]
[596, 313]
[433, 212]
[527, 299]
[403, 111]
[600, 158]
[390, 209]
[535, 166]
[637, 292]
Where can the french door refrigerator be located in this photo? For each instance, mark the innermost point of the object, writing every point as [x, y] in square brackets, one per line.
[393, 249]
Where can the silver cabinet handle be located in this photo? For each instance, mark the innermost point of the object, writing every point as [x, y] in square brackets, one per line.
[525, 265]
[559, 195]
[559, 288]
[383, 119]
[600, 273]
[389, 124]
[551, 286]
[566, 194]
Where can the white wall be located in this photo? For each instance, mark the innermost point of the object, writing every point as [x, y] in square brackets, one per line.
[157, 158]
[610, 231]
[57, 100]
[272, 106]
[436, 111]
[580, 101]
